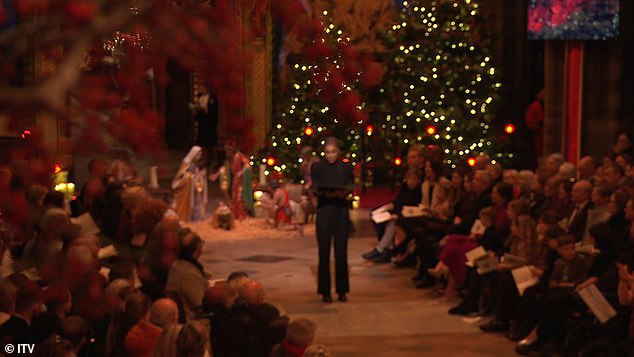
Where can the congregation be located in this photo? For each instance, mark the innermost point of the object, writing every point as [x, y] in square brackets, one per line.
[569, 225]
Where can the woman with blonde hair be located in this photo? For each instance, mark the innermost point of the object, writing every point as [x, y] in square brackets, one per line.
[524, 245]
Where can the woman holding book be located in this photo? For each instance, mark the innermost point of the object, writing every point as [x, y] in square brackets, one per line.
[332, 181]
[494, 225]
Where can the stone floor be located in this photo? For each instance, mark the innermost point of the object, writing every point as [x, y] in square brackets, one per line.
[385, 315]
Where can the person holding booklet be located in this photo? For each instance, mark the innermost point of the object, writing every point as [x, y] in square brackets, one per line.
[433, 207]
[494, 227]
[560, 300]
[408, 195]
[332, 180]
[525, 249]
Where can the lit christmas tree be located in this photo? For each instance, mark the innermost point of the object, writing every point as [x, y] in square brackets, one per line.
[320, 101]
[441, 84]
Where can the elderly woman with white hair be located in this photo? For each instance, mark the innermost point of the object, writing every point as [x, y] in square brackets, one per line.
[190, 187]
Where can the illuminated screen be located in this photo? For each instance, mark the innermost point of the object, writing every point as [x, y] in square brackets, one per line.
[573, 19]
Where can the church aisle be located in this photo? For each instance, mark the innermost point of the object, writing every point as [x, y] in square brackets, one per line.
[385, 315]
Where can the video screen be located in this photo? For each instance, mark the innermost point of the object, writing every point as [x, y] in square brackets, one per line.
[573, 19]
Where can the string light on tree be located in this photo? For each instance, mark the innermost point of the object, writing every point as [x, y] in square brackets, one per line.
[442, 80]
[509, 129]
[320, 100]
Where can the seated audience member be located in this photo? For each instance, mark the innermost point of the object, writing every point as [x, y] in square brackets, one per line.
[248, 319]
[586, 168]
[622, 145]
[528, 307]
[28, 303]
[552, 164]
[73, 330]
[108, 220]
[523, 242]
[164, 314]
[453, 253]
[576, 222]
[602, 268]
[509, 176]
[131, 198]
[300, 334]
[625, 294]
[91, 194]
[625, 161]
[192, 340]
[186, 277]
[431, 200]
[6, 259]
[523, 184]
[122, 170]
[600, 210]
[567, 171]
[408, 195]
[496, 171]
[7, 305]
[559, 300]
[612, 175]
[58, 303]
[618, 222]
[145, 218]
[142, 335]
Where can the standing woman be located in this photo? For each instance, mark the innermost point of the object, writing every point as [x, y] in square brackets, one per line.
[332, 180]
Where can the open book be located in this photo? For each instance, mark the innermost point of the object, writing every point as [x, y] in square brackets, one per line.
[524, 278]
[415, 211]
[597, 303]
[482, 260]
[380, 215]
[513, 261]
[478, 228]
[586, 248]
[107, 252]
[87, 224]
[475, 254]
[487, 264]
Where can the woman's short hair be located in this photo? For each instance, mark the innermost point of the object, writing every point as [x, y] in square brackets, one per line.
[192, 340]
[331, 140]
[301, 332]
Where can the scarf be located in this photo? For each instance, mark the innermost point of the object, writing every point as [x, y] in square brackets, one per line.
[294, 350]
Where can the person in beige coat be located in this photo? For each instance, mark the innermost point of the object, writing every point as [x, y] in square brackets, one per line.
[187, 277]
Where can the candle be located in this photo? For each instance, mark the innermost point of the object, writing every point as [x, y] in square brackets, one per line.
[153, 178]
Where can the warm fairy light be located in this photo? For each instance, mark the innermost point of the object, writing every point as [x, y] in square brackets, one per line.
[369, 130]
[431, 130]
[471, 161]
[309, 131]
[398, 161]
[270, 161]
[509, 128]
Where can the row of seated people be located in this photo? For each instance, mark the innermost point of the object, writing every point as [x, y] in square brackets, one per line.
[541, 218]
[152, 298]
[82, 310]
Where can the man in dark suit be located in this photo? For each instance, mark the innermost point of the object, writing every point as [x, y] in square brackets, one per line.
[580, 196]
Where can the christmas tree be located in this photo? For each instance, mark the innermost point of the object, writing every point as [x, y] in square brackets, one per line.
[320, 100]
[441, 85]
